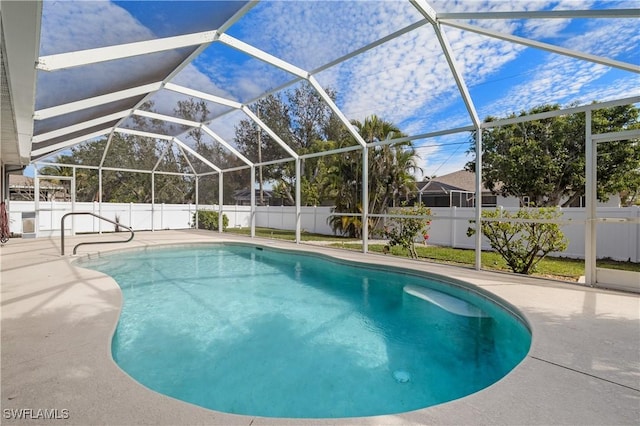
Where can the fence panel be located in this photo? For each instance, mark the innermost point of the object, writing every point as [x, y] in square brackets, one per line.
[617, 239]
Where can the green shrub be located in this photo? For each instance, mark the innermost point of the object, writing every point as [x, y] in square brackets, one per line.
[403, 231]
[208, 219]
[523, 244]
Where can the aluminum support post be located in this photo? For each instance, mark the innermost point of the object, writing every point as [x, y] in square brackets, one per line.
[73, 201]
[100, 199]
[36, 199]
[153, 200]
[591, 198]
[253, 201]
[298, 200]
[478, 210]
[365, 199]
[195, 215]
[220, 202]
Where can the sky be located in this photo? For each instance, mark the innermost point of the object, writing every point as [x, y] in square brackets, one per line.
[406, 81]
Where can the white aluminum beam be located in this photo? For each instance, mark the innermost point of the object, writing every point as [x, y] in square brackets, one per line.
[193, 169]
[161, 156]
[70, 142]
[230, 169]
[556, 113]
[370, 46]
[428, 12]
[202, 95]
[278, 161]
[261, 55]
[163, 117]
[270, 132]
[80, 166]
[95, 101]
[544, 46]
[106, 149]
[120, 51]
[195, 154]
[143, 134]
[172, 74]
[80, 126]
[224, 143]
[336, 110]
[20, 34]
[616, 136]
[120, 169]
[332, 151]
[424, 136]
[544, 14]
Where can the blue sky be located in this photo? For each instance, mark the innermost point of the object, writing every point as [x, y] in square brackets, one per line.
[406, 80]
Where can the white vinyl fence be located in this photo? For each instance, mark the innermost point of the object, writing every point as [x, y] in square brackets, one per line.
[616, 240]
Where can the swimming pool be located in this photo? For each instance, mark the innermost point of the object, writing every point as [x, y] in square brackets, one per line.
[272, 333]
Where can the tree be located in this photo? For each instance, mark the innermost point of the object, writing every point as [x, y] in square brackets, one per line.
[127, 152]
[198, 110]
[305, 123]
[631, 194]
[522, 244]
[403, 231]
[545, 159]
[390, 178]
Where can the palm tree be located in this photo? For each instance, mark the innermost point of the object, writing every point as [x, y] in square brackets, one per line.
[390, 177]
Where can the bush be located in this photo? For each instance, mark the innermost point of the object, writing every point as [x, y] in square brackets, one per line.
[403, 231]
[208, 219]
[523, 244]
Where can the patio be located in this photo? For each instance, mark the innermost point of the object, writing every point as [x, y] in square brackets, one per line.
[57, 322]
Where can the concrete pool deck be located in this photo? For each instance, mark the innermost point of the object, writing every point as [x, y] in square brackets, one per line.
[57, 321]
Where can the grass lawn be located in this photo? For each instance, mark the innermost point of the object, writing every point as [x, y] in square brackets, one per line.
[553, 267]
[280, 234]
[561, 268]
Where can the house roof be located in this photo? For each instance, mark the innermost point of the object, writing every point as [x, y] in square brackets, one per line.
[23, 182]
[245, 194]
[462, 180]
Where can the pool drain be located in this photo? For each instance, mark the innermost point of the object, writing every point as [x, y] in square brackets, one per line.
[401, 376]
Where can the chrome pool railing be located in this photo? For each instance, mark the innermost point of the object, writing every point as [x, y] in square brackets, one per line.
[91, 242]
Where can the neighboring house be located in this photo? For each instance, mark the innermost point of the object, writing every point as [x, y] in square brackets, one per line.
[22, 188]
[242, 197]
[458, 189]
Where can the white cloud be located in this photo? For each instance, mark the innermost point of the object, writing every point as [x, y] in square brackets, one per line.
[310, 34]
[402, 79]
[242, 77]
[561, 79]
[71, 26]
[406, 80]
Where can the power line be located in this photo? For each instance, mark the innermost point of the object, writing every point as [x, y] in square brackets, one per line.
[439, 145]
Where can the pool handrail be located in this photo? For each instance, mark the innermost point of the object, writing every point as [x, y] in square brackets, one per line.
[91, 242]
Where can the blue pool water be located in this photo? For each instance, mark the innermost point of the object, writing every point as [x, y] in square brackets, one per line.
[263, 332]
